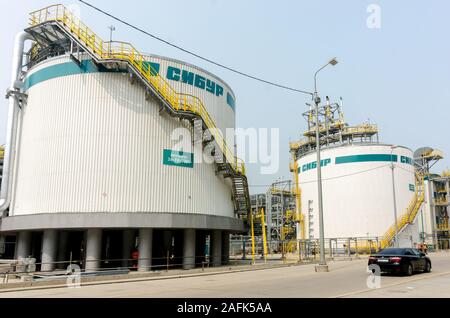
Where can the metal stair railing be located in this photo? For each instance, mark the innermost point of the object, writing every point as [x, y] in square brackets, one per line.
[409, 216]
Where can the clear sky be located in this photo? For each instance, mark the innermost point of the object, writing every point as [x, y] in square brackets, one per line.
[396, 76]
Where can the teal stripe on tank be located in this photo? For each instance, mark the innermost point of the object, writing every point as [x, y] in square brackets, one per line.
[59, 70]
[71, 68]
[366, 158]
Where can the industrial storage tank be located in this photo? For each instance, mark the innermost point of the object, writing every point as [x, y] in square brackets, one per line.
[92, 142]
[365, 183]
[107, 154]
[357, 188]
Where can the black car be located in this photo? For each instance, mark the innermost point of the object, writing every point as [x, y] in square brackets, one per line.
[401, 260]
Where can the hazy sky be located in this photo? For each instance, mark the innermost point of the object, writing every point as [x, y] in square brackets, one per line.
[397, 76]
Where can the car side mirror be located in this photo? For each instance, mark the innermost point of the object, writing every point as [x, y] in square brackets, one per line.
[422, 254]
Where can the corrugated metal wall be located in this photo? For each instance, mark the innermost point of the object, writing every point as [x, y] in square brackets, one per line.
[92, 143]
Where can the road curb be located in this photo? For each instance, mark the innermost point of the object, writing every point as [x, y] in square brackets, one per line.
[126, 279]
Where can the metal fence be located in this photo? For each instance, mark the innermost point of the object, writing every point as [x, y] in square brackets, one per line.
[241, 252]
[303, 249]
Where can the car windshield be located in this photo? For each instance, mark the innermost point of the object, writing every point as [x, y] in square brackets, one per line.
[392, 251]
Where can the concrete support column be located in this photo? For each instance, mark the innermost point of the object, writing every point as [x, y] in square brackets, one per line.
[145, 249]
[189, 249]
[127, 246]
[225, 248]
[62, 257]
[23, 245]
[49, 244]
[93, 249]
[216, 248]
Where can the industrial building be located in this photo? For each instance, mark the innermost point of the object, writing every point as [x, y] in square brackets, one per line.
[92, 172]
[278, 203]
[433, 220]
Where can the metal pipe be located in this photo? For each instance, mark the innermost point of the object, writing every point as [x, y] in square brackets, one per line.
[11, 134]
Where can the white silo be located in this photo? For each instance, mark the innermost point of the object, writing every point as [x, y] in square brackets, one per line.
[365, 183]
[97, 166]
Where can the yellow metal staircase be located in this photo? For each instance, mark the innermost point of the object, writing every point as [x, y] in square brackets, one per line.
[48, 24]
[410, 214]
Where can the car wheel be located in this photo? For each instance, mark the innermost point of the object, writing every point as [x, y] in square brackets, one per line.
[409, 270]
[427, 267]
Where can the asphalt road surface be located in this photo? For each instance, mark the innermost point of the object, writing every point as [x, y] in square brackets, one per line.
[345, 279]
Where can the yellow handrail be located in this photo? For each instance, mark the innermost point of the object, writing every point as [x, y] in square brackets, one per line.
[409, 216]
[126, 52]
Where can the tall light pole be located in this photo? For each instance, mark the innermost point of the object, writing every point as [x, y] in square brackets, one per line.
[393, 195]
[322, 266]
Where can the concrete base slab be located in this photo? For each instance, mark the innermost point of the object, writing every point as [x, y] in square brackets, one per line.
[321, 268]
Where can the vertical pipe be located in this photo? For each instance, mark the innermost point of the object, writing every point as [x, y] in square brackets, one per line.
[264, 235]
[11, 133]
[253, 237]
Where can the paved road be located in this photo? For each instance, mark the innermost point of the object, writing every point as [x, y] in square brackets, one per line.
[346, 279]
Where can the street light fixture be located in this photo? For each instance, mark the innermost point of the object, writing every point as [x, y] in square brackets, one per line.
[322, 266]
[393, 195]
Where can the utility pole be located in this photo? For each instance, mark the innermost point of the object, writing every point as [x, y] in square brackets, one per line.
[394, 196]
[322, 266]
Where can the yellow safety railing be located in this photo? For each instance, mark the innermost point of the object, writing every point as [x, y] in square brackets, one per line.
[409, 216]
[362, 129]
[354, 130]
[126, 52]
[2, 152]
[440, 201]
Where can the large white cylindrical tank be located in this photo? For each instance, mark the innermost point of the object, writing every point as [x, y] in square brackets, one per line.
[357, 189]
[90, 141]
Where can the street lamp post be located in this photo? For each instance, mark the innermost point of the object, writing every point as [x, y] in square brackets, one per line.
[394, 197]
[322, 266]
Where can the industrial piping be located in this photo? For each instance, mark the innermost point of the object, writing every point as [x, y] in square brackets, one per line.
[11, 134]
